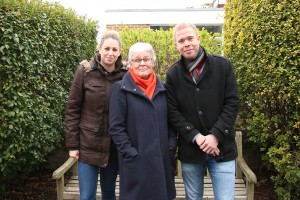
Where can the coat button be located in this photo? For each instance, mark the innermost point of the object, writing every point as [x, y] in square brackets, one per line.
[188, 128]
[200, 112]
[226, 131]
[197, 90]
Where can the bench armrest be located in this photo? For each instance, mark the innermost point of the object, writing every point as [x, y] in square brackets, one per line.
[250, 176]
[57, 174]
[244, 169]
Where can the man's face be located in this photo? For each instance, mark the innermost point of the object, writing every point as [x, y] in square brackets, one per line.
[187, 43]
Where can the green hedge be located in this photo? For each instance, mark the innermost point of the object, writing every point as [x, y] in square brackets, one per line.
[40, 46]
[164, 45]
[262, 41]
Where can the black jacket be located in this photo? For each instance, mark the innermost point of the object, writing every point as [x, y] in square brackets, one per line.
[208, 107]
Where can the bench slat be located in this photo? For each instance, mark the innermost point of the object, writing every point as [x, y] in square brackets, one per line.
[72, 190]
[243, 191]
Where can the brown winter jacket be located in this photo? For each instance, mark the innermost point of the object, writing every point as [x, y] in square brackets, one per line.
[86, 116]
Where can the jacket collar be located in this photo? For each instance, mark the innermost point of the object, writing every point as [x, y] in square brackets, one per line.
[128, 84]
[97, 65]
[187, 74]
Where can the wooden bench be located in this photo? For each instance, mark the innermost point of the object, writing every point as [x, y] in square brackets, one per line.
[244, 182]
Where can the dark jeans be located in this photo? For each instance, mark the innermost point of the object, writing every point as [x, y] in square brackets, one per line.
[88, 179]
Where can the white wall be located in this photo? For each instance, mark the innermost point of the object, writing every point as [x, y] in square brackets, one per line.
[199, 16]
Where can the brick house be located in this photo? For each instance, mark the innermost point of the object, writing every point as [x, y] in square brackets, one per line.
[210, 16]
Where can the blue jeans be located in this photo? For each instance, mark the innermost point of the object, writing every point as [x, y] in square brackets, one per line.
[222, 175]
[88, 179]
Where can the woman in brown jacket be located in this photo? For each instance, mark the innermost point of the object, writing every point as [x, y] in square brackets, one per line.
[86, 119]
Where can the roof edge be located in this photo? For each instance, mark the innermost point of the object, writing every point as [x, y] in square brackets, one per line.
[165, 10]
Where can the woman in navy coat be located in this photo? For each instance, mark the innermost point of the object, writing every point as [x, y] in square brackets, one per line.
[139, 128]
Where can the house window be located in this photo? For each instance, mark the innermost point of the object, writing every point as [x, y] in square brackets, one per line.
[210, 29]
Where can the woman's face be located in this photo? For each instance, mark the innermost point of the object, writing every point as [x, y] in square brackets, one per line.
[142, 64]
[109, 51]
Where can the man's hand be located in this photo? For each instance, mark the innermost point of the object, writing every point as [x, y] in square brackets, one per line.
[208, 144]
[74, 154]
[200, 139]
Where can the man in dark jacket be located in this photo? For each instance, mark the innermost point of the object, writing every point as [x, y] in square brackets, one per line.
[203, 105]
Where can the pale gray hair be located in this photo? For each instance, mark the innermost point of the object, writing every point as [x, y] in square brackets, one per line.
[140, 47]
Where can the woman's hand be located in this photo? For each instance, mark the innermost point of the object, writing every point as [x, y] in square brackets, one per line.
[74, 154]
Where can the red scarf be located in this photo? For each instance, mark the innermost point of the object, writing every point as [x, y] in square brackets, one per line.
[147, 85]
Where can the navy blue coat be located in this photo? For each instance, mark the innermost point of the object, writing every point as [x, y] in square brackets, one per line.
[139, 128]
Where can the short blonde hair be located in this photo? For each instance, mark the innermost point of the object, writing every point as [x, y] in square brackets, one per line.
[184, 25]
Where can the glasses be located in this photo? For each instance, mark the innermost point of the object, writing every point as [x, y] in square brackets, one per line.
[138, 60]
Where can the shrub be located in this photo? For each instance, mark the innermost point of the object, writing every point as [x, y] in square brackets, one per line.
[164, 46]
[40, 44]
[262, 41]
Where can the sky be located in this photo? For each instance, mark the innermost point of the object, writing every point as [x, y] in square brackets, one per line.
[94, 9]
